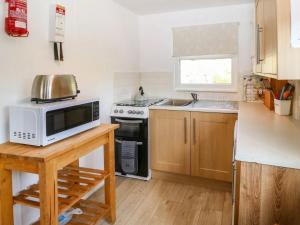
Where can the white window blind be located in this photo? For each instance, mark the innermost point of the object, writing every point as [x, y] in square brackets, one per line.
[213, 39]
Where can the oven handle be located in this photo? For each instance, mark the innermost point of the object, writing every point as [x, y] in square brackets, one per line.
[120, 142]
[129, 121]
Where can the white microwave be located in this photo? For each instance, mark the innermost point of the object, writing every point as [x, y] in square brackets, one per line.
[44, 124]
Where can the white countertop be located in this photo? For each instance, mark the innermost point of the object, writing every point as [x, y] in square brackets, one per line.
[267, 138]
[203, 106]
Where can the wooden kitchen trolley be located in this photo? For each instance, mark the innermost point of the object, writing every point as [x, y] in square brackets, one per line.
[62, 183]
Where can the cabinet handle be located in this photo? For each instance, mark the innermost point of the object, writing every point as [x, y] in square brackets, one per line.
[194, 130]
[258, 45]
[185, 130]
[234, 171]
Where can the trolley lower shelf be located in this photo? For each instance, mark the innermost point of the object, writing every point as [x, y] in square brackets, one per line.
[92, 213]
[73, 184]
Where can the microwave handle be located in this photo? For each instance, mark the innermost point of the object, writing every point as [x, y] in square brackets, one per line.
[129, 121]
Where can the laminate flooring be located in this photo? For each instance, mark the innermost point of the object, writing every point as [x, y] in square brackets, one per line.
[167, 202]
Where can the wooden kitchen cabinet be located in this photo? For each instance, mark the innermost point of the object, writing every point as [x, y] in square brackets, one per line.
[197, 144]
[212, 145]
[170, 141]
[275, 56]
[268, 195]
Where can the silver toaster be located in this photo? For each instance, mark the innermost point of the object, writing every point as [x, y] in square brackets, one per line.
[49, 88]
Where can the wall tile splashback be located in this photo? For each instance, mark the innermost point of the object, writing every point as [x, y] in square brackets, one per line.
[125, 85]
[161, 84]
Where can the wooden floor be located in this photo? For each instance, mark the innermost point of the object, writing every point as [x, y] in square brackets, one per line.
[165, 202]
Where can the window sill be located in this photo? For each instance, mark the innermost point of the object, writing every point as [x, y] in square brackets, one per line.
[220, 90]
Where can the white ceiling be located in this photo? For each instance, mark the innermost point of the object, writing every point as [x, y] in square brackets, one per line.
[142, 7]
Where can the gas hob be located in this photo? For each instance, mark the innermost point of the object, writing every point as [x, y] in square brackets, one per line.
[133, 109]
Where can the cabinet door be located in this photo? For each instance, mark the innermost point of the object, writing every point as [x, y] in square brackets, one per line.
[212, 145]
[269, 32]
[288, 57]
[269, 195]
[170, 141]
[259, 35]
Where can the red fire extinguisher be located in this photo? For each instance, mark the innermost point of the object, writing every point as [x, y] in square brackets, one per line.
[16, 20]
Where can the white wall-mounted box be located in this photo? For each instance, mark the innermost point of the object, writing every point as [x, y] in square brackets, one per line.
[57, 23]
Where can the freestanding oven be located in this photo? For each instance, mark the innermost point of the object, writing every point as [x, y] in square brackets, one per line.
[131, 139]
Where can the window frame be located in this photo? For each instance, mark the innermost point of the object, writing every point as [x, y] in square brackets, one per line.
[233, 87]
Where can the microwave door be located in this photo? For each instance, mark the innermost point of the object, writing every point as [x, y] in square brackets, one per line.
[65, 119]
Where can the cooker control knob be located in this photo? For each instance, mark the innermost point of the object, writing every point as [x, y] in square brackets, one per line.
[134, 112]
[130, 112]
[121, 111]
[116, 111]
[142, 112]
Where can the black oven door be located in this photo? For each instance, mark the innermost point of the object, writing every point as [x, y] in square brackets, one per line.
[142, 158]
[132, 129]
[67, 118]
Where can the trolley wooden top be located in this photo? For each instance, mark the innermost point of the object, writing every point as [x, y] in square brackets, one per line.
[41, 154]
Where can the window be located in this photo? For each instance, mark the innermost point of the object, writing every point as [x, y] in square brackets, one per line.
[211, 73]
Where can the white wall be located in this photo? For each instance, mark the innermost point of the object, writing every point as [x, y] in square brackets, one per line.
[101, 38]
[156, 44]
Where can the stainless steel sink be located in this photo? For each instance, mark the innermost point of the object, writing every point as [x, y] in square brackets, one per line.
[177, 102]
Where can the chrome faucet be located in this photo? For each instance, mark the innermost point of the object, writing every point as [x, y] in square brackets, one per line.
[195, 97]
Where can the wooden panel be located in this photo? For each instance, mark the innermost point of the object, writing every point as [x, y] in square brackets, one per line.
[110, 182]
[269, 195]
[212, 145]
[170, 141]
[288, 57]
[237, 194]
[6, 204]
[250, 194]
[24, 166]
[269, 65]
[48, 194]
[194, 181]
[19, 151]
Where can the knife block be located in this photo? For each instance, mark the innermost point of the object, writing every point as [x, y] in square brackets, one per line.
[268, 99]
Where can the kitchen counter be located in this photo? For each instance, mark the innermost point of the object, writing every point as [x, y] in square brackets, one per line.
[267, 138]
[203, 106]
